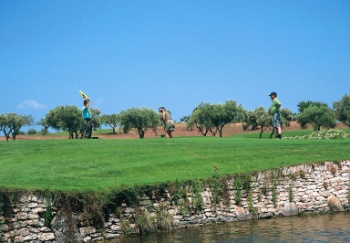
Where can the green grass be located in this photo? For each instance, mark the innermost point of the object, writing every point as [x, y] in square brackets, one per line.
[102, 164]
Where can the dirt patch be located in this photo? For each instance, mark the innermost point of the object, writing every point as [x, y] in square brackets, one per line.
[181, 131]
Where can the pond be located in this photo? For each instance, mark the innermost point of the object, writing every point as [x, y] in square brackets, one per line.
[329, 227]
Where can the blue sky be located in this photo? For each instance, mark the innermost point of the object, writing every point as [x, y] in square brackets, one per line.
[125, 54]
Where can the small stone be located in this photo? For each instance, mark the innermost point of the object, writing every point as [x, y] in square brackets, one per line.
[115, 227]
[87, 238]
[111, 236]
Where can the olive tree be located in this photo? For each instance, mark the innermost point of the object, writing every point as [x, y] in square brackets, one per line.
[306, 104]
[222, 114]
[258, 119]
[213, 117]
[200, 118]
[111, 120]
[286, 116]
[139, 119]
[317, 116]
[11, 123]
[342, 110]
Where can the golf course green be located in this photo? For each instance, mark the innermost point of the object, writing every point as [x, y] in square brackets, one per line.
[109, 164]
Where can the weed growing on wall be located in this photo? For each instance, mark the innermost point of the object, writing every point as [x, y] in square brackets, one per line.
[48, 211]
[125, 227]
[144, 222]
[238, 188]
[250, 201]
[225, 191]
[163, 218]
[290, 192]
[196, 196]
[274, 188]
[216, 184]
[302, 174]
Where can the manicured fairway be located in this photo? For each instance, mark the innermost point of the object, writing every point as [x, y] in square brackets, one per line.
[95, 165]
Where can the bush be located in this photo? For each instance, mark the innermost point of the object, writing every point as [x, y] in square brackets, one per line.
[325, 134]
[31, 131]
[44, 131]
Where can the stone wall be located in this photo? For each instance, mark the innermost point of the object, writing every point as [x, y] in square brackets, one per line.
[35, 217]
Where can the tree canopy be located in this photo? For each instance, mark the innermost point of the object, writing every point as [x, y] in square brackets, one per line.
[11, 123]
[302, 105]
[111, 120]
[317, 116]
[213, 117]
[342, 110]
[68, 118]
[140, 119]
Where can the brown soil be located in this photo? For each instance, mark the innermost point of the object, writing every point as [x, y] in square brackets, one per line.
[181, 131]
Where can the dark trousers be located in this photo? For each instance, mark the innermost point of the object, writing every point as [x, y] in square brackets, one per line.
[87, 128]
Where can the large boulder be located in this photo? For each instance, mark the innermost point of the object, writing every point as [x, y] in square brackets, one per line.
[241, 214]
[334, 204]
[290, 209]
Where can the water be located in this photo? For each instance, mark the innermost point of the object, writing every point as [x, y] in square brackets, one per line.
[317, 228]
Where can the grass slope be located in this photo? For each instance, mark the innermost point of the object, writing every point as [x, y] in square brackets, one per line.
[95, 165]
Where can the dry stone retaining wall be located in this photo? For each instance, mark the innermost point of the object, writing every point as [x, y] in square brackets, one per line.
[33, 217]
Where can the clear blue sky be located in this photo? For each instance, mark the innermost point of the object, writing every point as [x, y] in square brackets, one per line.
[171, 53]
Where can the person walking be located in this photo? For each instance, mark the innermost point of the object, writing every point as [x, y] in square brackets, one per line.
[169, 125]
[276, 115]
[87, 124]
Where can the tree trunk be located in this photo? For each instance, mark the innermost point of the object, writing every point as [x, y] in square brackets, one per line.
[141, 133]
[220, 130]
[261, 132]
[113, 130]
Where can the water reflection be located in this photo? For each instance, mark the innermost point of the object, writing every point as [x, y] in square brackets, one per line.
[317, 228]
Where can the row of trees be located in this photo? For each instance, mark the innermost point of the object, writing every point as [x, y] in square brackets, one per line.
[205, 117]
[11, 123]
[68, 118]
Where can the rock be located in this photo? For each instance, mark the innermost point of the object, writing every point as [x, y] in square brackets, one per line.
[87, 231]
[24, 232]
[47, 236]
[115, 227]
[241, 215]
[334, 204]
[86, 239]
[111, 236]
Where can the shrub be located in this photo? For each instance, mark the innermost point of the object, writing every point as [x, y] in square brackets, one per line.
[31, 131]
[44, 131]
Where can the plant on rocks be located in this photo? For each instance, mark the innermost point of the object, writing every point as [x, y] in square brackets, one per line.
[324, 134]
[251, 208]
[143, 221]
[163, 218]
[238, 188]
[197, 199]
[216, 184]
[290, 192]
[274, 191]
